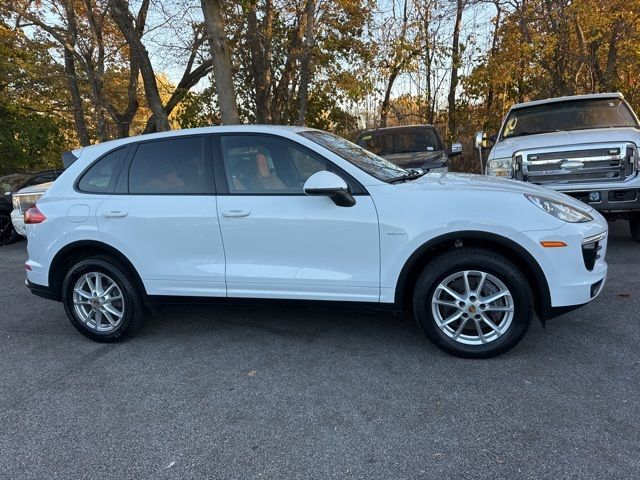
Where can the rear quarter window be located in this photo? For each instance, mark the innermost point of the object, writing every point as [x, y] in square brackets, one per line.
[100, 177]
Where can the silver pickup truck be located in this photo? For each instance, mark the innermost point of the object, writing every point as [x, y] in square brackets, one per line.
[585, 146]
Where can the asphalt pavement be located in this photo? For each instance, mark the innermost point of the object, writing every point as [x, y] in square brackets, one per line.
[313, 393]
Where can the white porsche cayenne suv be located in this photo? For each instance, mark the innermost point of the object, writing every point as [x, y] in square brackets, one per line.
[291, 213]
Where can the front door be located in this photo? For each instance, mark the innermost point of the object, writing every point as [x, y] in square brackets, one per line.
[281, 243]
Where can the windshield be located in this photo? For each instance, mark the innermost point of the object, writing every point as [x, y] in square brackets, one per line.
[363, 159]
[570, 115]
[401, 140]
[9, 183]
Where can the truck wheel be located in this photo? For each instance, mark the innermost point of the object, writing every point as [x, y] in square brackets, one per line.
[101, 300]
[8, 234]
[634, 227]
[473, 303]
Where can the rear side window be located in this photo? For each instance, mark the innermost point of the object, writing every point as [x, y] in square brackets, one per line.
[100, 178]
[172, 166]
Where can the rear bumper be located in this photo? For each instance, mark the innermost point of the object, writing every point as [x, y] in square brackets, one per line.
[41, 290]
[17, 219]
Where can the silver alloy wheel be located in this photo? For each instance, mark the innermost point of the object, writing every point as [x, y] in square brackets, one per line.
[472, 307]
[98, 302]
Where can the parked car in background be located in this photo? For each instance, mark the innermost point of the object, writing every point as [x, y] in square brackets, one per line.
[585, 146]
[414, 146]
[9, 185]
[22, 201]
[292, 213]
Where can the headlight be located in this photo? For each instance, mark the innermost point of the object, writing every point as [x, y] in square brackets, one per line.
[560, 210]
[500, 167]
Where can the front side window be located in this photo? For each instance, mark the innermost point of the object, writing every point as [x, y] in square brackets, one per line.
[365, 160]
[256, 164]
[567, 116]
[173, 166]
[100, 178]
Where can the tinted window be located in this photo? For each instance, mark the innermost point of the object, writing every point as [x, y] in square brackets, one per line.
[571, 115]
[9, 183]
[42, 178]
[168, 166]
[263, 165]
[100, 176]
[401, 140]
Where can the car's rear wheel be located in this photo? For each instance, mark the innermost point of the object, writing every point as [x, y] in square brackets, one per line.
[101, 300]
[634, 228]
[8, 234]
[473, 303]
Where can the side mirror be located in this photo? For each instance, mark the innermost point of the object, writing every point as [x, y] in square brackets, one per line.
[456, 149]
[328, 184]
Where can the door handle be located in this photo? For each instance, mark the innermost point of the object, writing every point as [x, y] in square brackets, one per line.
[236, 213]
[115, 214]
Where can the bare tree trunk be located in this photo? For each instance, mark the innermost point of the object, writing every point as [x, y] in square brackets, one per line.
[429, 53]
[125, 21]
[76, 99]
[386, 102]
[221, 61]
[455, 64]
[261, 53]
[305, 63]
[494, 49]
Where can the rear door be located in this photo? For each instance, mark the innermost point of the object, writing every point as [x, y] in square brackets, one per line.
[163, 217]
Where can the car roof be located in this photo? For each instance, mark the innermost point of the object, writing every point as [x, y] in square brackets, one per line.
[195, 131]
[569, 98]
[396, 128]
[41, 187]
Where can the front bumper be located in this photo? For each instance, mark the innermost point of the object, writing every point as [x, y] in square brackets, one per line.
[616, 201]
[17, 219]
[575, 274]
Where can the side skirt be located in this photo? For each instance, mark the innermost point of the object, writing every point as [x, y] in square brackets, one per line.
[156, 301]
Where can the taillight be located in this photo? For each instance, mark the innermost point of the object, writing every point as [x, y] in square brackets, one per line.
[34, 215]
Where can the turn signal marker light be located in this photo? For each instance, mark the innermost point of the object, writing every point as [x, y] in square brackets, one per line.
[553, 244]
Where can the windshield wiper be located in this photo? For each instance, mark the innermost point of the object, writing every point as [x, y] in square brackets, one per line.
[411, 175]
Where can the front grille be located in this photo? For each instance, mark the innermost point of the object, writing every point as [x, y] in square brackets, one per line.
[25, 202]
[600, 163]
[622, 195]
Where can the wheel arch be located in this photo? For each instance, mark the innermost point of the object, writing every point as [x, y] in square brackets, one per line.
[80, 250]
[515, 252]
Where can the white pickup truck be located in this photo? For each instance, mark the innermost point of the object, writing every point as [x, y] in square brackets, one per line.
[584, 145]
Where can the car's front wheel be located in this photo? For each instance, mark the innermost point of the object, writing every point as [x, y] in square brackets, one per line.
[101, 300]
[473, 303]
[8, 234]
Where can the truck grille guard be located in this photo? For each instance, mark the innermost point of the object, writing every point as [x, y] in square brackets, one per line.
[614, 162]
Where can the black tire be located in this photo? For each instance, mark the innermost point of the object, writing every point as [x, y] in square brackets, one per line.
[133, 306]
[474, 259]
[8, 234]
[634, 228]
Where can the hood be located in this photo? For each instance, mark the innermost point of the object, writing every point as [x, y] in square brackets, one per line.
[434, 158]
[467, 182]
[507, 147]
[40, 188]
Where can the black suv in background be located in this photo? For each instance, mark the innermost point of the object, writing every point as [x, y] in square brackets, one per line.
[10, 184]
[414, 146]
